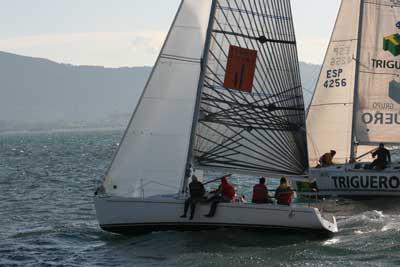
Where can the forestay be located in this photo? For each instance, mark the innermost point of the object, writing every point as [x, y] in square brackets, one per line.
[378, 105]
[330, 116]
[252, 117]
[151, 159]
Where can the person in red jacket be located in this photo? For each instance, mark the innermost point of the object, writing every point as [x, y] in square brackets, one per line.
[260, 193]
[224, 193]
[284, 193]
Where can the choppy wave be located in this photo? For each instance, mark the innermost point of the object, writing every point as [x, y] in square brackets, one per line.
[47, 218]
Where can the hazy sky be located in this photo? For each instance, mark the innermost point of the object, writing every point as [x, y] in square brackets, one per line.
[126, 32]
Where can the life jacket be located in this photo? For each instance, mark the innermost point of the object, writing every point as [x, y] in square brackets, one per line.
[227, 189]
[260, 192]
[284, 195]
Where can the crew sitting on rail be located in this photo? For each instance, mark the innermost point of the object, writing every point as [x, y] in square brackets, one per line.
[383, 158]
[224, 193]
[260, 193]
[327, 159]
[197, 192]
[284, 193]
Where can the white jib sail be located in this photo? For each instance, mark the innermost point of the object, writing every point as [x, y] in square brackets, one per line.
[330, 116]
[378, 105]
[151, 159]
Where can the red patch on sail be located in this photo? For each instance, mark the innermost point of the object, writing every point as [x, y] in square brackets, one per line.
[240, 69]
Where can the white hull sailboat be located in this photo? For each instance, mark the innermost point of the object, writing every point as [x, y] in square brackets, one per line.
[224, 95]
[356, 104]
[138, 216]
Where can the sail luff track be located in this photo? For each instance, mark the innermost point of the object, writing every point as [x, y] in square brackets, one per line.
[261, 130]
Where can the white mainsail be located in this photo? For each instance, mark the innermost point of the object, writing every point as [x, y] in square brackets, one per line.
[378, 101]
[330, 115]
[151, 159]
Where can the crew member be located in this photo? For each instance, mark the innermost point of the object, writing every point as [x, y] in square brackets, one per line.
[284, 193]
[260, 193]
[383, 157]
[327, 158]
[224, 193]
[197, 192]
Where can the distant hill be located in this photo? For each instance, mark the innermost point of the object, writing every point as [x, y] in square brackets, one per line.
[39, 93]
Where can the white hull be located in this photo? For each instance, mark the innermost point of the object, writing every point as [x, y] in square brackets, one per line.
[134, 216]
[353, 180]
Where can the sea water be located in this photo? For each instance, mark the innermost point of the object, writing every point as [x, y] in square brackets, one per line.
[47, 218]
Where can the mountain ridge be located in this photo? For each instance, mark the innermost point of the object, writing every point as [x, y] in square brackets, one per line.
[40, 93]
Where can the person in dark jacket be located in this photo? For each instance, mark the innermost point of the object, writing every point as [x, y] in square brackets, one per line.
[383, 158]
[327, 159]
[197, 192]
[284, 193]
[224, 193]
[260, 193]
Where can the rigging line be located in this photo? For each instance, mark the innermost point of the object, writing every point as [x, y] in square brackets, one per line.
[251, 123]
[230, 90]
[278, 127]
[236, 28]
[263, 73]
[301, 138]
[273, 159]
[181, 60]
[266, 109]
[279, 77]
[181, 57]
[293, 50]
[221, 150]
[267, 97]
[264, 60]
[259, 39]
[255, 87]
[249, 156]
[285, 54]
[247, 46]
[261, 140]
[298, 101]
[302, 145]
[246, 168]
[261, 15]
[225, 15]
[257, 69]
[265, 114]
[215, 149]
[249, 115]
[268, 145]
[256, 117]
[296, 148]
[285, 49]
[240, 108]
[268, 133]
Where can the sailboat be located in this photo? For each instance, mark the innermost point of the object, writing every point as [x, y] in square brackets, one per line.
[224, 95]
[356, 104]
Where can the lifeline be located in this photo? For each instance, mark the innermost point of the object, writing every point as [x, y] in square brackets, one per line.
[366, 182]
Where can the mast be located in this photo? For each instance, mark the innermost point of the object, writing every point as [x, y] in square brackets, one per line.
[357, 82]
[204, 62]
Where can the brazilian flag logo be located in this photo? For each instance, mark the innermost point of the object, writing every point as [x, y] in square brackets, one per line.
[391, 43]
